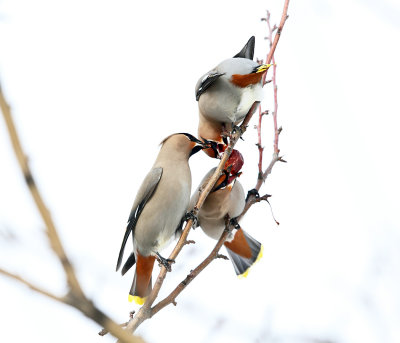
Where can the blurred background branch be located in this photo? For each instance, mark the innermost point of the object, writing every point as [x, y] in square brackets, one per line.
[75, 297]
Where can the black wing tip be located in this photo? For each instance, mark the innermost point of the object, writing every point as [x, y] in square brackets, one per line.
[130, 262]
[118, 264]
[206, 83]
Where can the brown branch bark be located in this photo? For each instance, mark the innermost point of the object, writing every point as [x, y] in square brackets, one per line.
[30, 285]
[278, 32]
[259, 143]
[146, 311]
[44, 212]
[170, 299]
[75, 296]
[270, 58]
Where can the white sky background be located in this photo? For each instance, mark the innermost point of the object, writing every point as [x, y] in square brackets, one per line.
[96, 85]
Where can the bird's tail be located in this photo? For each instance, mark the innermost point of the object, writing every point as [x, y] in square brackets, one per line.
[243, 251]
[142, 285]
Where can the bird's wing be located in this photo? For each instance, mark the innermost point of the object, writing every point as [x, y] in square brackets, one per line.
[204, 83]
[144, 194]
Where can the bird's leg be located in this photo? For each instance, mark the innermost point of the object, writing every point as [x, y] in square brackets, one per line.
[252, 192]
[166, 262]
[226, 132]
[235, 129]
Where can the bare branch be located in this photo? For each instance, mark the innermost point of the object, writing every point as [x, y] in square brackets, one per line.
[278, 32]
[262, 176]
[194, 273]
[259, 143]
[44, 212]
[75, 297]
[31, 286]
[146, 311]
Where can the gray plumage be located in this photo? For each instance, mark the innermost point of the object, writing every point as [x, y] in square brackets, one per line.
[224, 101]
[217, 205]
[162, 199]
[243, 250]
[219, 99]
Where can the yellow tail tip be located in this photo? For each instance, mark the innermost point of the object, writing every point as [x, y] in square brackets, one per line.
[136, 299]
[259, 256]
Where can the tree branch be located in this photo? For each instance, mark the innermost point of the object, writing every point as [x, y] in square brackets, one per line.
[189, 278]
[31, 286]
[51, 231]
[75, 297]
[278, 32]
[275, 156]
[146, 311]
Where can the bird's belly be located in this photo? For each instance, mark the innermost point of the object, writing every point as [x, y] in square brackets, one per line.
[159, 220]
[213, 227]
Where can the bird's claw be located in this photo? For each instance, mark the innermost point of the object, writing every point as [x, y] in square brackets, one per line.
[166, 262]
[253, 192]
[234, 223]
[235, 129]
[191, 216]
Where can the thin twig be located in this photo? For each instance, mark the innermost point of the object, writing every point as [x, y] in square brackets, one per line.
[270, 58]
[31, 286]
[278, 32]
[51, 231]
[146, 311]
[104, 332]
[259, 143]
[75, 296]
[171, 298]
[275, 112]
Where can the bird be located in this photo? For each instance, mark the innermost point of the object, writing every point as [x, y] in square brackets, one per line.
[158, 210]
[227, 198]
[226, 93]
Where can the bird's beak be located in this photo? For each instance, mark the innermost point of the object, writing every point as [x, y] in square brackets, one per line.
[211, 145]
[262, 68]
[199, 145]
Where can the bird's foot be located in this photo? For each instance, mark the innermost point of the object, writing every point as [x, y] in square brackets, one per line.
[166, 262]
[234, 223]
[226, 132]
[253, 192]
[191, 216]
[236, 129]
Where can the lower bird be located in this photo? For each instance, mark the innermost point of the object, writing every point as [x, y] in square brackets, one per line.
[228, 199]
[158, 210]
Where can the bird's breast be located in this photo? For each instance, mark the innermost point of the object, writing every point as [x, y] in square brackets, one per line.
[249, 95]
[246, 80]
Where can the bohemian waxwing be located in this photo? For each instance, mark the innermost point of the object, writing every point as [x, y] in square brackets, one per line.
[226, 93]
[243, 250]
[158, 209]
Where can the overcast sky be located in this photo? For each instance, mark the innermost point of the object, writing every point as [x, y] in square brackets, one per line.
[96, 85]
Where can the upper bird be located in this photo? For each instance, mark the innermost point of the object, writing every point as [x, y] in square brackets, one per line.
[226, 93]
[158, 209]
